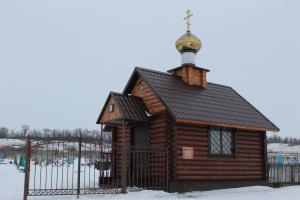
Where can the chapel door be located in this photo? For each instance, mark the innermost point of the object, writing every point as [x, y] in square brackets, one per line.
[140, 136]
[139, 162]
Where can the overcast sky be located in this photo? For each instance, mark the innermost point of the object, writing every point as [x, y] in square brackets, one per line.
[60, 58]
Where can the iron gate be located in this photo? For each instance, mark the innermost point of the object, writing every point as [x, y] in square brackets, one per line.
[88, 165]
[70, 166]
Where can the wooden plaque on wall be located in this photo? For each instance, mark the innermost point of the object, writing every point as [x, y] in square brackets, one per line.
[188, 153]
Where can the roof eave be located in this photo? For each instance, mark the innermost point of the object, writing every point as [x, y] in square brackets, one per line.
[237, 126]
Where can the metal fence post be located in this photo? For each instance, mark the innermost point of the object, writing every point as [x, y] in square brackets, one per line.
[27, 168]
[292, 174]
[167, 170]
[79, 165]
[124, 163]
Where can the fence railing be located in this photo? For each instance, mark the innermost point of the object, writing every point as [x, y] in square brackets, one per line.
[70, 166]
[284, 174]
[84, 165]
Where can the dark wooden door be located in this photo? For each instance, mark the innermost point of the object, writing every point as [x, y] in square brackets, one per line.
[140, 136]
[139, 163]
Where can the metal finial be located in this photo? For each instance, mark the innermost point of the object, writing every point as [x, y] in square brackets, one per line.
[189, 14]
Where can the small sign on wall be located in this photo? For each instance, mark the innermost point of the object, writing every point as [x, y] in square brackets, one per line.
[188, 153]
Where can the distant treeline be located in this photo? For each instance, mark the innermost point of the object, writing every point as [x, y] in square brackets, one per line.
[283, 140]
[25, 130]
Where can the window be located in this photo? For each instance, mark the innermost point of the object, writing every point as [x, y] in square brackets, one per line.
[111, 108]
[221, 141]
[141, 85]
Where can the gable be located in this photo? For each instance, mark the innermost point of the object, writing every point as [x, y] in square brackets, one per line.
[106, 115]
[119, 107]
[141, 89]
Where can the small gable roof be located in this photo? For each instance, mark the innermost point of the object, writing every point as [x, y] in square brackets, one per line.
[132, 108]
[217, 103]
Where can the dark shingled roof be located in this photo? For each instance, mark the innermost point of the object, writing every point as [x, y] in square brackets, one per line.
[216, 103]
[131, 107]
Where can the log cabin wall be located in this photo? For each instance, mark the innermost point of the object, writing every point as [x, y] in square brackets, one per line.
[158, 130]
[158, 137]
[248, 163]
[192, 75]
[117, 138]
[152, 102]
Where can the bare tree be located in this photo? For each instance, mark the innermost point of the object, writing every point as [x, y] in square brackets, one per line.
[3, 132]
[25, 129]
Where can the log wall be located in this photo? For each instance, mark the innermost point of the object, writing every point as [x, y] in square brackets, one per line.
[152, 102]
[117, 138]
[158, 138]
[158, 130]
[192, 76]
[247, 164]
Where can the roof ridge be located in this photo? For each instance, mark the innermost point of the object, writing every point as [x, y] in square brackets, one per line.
[166, 73]
[151, 70]
[124, 95]
[115, 93]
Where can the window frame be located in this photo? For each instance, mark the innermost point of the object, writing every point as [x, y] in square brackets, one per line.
[233, 139]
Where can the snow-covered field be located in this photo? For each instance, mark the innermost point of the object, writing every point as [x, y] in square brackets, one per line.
[283, 148]
[11, 188]
[12, 143]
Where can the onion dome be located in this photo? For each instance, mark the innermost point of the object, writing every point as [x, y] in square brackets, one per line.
[188, 43]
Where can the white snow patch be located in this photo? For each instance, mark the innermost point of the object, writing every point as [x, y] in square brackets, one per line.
[12, 143]
[283, 148]
[11, 188]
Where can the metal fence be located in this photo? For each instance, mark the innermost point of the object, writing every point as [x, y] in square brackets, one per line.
[88, 165]
[284, 174]
[69, 166]
[148, 168]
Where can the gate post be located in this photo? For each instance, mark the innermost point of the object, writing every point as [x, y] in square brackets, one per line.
[79, 165]
[124, 163]
[27, 168]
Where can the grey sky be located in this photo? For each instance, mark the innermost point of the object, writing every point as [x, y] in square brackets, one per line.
[59, 59]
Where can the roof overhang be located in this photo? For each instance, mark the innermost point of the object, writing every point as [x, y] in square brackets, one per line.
[131, 109]
[199, 122]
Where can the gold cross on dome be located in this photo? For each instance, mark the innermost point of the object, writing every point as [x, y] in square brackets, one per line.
[189, 14]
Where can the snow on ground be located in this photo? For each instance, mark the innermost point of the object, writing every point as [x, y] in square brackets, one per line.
[11, 183]
[11, 188]
[283, 148]
[12, 143]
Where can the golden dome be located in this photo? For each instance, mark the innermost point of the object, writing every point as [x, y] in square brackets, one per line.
[188, 42]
